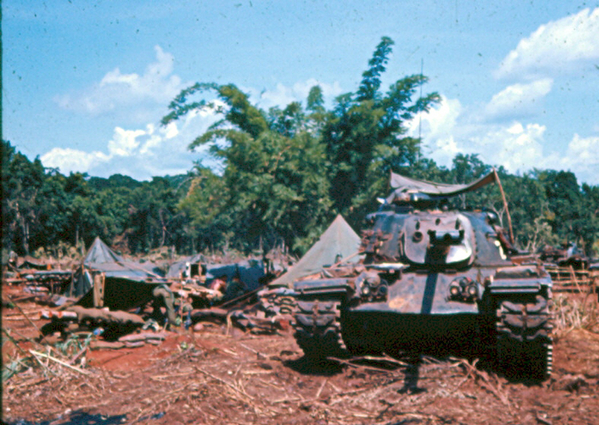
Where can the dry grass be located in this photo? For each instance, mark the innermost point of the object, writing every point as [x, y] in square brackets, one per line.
[575, 313]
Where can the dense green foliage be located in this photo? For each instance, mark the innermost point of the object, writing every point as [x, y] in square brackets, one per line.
[286, 173]
[42, 208]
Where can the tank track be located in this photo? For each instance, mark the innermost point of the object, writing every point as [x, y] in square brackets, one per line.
[524, 343]
[274, 305]
[317, 327]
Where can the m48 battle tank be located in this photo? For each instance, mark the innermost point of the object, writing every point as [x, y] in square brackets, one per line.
[432, 279]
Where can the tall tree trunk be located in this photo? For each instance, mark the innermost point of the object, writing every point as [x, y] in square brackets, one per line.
[25, 227]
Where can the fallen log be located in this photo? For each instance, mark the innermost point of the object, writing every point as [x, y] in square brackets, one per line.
[143, 336]
[24, 298]
[106, 316]
[102, 345]
[246, 321]
[209, 313]
[14, 281]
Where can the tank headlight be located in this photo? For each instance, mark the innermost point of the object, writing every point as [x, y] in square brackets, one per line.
[463, 289]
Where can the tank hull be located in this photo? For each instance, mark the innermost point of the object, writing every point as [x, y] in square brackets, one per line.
[426, 294]
[460, 334]
[439, 282]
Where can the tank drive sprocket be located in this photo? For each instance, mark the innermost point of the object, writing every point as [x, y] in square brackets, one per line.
[524, 344]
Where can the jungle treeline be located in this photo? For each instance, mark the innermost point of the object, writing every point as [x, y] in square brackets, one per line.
[282, 175]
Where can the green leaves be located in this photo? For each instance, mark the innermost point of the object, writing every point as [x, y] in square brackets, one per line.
[371, 81]
[289, 171]
[365, 136]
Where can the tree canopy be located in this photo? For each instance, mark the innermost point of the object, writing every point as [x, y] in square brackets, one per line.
[285, 173]
[288, 172]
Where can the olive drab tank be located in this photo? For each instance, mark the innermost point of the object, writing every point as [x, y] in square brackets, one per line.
[431, 278]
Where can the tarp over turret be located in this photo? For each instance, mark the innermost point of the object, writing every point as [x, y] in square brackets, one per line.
[338, 242]
[405, 185]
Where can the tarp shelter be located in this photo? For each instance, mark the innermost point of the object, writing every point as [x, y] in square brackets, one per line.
[404, 185]
[179, 269]
[101, 257]
[248, 271]
[338, 242]
[107, 279]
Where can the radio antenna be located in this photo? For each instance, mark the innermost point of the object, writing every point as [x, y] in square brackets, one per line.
[420, 114]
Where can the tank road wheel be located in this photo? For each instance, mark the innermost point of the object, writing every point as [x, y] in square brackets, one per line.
[524, 343]
[318, 329]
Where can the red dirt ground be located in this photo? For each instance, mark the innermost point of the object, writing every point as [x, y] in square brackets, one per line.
[230, 377]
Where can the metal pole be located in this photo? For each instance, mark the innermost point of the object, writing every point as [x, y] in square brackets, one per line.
[507, 211]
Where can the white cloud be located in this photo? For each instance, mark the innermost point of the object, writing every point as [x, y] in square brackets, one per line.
[449, 129]
[438, 127]
[71, 160]
[156, 86]
[587, 149]
[517, 147]
[329, 91]
[283, 95]
[558, 46]
[150, 150]
[171, 131]
[582, 158]
[518, 99]
[139, 153]
[143, 150]
[124, 142]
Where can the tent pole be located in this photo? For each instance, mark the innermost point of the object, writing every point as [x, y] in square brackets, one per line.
[507, 211]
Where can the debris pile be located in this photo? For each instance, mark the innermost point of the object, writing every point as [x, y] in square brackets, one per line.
[204, 347]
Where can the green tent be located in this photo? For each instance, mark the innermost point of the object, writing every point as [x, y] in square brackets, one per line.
[339, 241]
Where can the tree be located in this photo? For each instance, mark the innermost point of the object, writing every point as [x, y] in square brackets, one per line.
[205, 204]
[288, 171]
[365, 135]
[21, 184]
[274, 183]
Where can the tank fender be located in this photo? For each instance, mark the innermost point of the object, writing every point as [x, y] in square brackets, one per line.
[518, 280]
[336, 287]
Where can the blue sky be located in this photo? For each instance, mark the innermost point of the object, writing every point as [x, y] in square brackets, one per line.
[85, 83]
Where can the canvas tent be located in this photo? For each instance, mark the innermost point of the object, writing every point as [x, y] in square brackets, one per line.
[339, 241]
[101, 257]
[107, 279]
